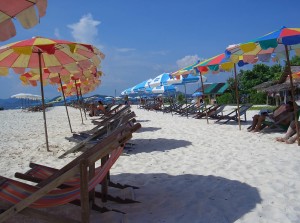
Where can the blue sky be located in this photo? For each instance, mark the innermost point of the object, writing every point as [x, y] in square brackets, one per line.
[142, 39]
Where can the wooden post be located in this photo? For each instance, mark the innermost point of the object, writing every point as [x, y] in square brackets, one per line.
[104, 183]
[84, 192]
[203, 97]
[82, 102]
[237, 97]
[63, 93]
[78, 101]
[43, 99]
[293, 93]
[91, 175]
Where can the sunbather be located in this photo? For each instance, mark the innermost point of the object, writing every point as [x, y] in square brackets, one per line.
[290, 136]
[278, 114]
[96, 110]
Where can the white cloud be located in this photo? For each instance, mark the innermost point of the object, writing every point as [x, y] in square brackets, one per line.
[124, 50]
[187, 60]
[57, 33]
[85, 30]
[161, 52]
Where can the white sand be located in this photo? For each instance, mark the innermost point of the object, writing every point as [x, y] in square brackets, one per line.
[187, 170]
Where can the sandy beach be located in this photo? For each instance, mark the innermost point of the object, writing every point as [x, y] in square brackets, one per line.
[186, 170]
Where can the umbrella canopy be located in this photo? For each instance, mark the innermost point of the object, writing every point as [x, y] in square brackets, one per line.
[216, 64]
[27, 96]
[127, 91]
[271, 45]
[197, 94]
[160, 80]
[185, 79]
[55, 55]
[141, 86]
[185, 70]
[163, 89]
[25, 13]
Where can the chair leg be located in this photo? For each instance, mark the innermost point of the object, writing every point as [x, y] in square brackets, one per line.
[84, 192]
[104, 182]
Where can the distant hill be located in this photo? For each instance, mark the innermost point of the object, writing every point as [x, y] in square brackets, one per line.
[14, 103]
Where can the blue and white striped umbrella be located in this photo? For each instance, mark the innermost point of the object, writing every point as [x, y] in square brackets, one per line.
[185, 79]
[127, 91]
[160, 80]
[141, 87]
[163, 89]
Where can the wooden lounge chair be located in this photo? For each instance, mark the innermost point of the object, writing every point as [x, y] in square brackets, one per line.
[233, 116]
[23, 197]
[202, 111]
[86, 138]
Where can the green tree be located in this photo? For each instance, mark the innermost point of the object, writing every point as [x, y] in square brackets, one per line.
[259, 74]
[295, 61]
[181, 98]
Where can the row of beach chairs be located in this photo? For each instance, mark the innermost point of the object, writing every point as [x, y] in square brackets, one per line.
[74, 183]
[202, 111]
[220, 115]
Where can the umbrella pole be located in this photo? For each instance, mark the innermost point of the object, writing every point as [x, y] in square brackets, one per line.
[82, 103]
[293, 93]
[237, 97]
[63, 93]
[43, 99]
[78, 102]
[187, 116]
[202, 86]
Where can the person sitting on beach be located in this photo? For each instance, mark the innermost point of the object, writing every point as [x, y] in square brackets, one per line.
[290, 135]
[126, 100]
[97, 110]
[277, 115]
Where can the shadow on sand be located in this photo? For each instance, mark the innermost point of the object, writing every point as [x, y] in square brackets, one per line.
[147, 129]
[159, 144]
[188, 198]
[142, 120]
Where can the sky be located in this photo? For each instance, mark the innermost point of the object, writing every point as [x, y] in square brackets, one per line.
[142, 39]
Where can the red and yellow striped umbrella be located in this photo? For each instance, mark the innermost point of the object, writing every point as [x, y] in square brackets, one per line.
[47, 53]
[25, 13]
[56, 55]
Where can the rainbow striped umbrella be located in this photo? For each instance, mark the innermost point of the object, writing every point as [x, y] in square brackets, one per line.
[277, 43]
[221, 63]
[270, 46]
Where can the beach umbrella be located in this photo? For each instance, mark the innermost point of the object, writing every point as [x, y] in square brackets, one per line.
[127, 91]
[186, 79]
[26, 96]
[24, 11]
[163, 89]
[221, 63]
[141, 86]
[280, 43]
[197, 94]
[88, 75]
[159, 80]
[186, 70]
[39, 53]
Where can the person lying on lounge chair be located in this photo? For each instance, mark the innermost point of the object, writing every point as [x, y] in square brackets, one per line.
[290, 135]
[97, 110]
[277, 115]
